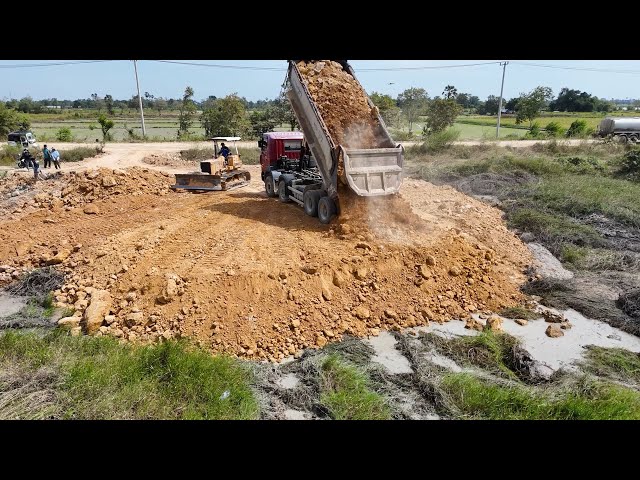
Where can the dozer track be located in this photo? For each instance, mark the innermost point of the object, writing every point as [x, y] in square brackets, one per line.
[205, 182]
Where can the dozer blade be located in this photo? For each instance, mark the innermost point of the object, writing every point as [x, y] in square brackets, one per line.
[204, 182]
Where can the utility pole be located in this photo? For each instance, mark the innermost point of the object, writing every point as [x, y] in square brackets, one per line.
[135, 67]
[504, 68]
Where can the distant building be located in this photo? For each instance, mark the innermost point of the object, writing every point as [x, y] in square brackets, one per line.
[53, 107]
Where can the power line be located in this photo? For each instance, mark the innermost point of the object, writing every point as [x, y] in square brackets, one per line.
[217, 65]
[30, 65]
[431, 67]
[586, 69]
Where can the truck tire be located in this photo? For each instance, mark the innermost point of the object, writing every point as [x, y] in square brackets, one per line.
[311, 199]
[622, 138]
[633, 138]
[283, 195]
[326, 210]
[269, 187]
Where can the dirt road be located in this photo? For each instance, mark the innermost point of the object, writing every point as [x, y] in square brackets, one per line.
[245, 274]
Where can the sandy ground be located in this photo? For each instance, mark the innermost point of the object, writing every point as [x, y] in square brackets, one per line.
[245, 274]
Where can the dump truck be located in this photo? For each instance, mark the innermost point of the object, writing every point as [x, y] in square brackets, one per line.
[220, 173]
[310, 179]
[624, 129]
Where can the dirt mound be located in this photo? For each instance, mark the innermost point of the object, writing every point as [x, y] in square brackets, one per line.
[170, 160]
[343, 105]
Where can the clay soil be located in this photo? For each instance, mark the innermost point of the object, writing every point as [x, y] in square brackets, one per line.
[245, 274]
[343, 105]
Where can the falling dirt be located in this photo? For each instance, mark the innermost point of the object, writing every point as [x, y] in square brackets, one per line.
[247, 275]
[343, 105]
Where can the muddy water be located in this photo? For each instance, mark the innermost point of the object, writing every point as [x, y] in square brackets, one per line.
[387, 355]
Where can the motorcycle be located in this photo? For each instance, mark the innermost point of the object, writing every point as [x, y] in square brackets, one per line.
[24, 163]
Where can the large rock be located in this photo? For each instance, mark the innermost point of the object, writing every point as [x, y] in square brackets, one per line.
[60, 257]
[494, 323]
[362, 312]
[109, 181]
[554, 331]
[69, 322]
[96, 311]
[91, 209]
[546, 264]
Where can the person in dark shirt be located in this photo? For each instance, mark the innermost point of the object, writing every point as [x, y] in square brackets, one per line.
[224, 151]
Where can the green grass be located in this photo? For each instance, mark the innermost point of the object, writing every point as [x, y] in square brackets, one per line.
[577, 195]
[617, 363]
[78, 154]
[346, 394]
[99, 378]
[586, 400]
[9, 156]
[490, 351]
[519, 312]
[553, 228]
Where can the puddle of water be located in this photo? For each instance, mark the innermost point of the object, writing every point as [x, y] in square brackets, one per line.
[562, 351]
[552, 352]
[288, 381]
[442, 361]
[290, 414]
[387, 355]
[10, 304]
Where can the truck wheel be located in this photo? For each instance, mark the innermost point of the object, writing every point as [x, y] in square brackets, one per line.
[622, 138]
[633, 138]
[282, 191]
[326, 209]
[269, 187]
[311, 198]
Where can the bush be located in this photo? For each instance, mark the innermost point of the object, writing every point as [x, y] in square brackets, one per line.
[534, 131]
[554, 129]
[437, 142]
[577, 129]
[64, 135]
[630, 165]
[80, 153]
[9, 155]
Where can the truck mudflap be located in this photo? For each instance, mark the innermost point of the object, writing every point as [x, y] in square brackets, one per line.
[375, 171]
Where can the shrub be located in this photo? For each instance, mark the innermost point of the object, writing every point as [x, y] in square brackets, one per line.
[439, 141]
[630, 165]
[64, 135]
[577, 129]
[554, 129]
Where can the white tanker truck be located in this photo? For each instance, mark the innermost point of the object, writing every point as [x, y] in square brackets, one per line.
[625, 129]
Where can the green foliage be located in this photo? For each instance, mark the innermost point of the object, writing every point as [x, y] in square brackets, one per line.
[387, 107]
[441, 114]
[572, 254]
[9, 155]
[108, 100]
[530, 104]
[79, 153]
[64, 135]
[413, 102]
[534, 131]
[11, 120]
[554, 129]
[262, 121]
[187, 111]
[617, 363]
[629, 165]
[578, 128]
[99, 378]
[553, 228]
[440, 141]
[588, 400]
[106, 124]
[225, 117]
[346, 394]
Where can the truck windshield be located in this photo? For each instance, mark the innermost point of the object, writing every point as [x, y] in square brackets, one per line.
[292, 145]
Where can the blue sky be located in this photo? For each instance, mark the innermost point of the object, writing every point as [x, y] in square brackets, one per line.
[169, 80]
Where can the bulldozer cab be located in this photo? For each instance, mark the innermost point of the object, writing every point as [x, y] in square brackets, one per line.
[218, 141]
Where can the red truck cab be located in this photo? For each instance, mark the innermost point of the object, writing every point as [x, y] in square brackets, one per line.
[274, 145]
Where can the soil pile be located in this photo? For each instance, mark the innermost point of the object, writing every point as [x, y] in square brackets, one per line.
[343, 105]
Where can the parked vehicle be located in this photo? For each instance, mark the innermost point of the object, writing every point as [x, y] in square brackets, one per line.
[625, 129]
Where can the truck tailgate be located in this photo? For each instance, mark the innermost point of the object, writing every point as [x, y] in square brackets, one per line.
[375, 171]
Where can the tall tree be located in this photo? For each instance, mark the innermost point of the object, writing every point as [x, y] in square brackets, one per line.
[108, 100]
[225, 117]
[441, 113]
[413, 102]
[386, 106]
[530, 104]
[450, 92]
[187, 111]
[11, 120]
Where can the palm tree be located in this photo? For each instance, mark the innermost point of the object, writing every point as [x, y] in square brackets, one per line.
[450, 92]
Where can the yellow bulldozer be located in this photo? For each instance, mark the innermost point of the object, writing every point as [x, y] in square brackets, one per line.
[220, 173]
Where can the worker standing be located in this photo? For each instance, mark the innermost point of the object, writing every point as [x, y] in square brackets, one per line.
[46, 154]
[36, 169]
[55, 156]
